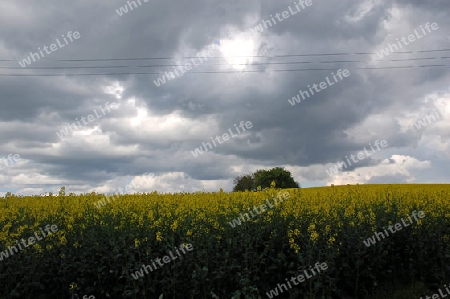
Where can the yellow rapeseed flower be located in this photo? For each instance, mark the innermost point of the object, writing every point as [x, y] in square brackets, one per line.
[159, 237]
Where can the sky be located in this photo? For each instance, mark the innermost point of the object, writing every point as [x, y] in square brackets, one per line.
[103, 95]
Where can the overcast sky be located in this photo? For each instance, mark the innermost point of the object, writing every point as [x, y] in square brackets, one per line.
[245, 75]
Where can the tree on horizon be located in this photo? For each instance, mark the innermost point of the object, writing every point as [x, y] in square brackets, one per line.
[264, 178]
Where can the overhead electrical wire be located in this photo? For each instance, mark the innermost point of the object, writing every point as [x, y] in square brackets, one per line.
[223, 72]
[284, 55]
[220, 64]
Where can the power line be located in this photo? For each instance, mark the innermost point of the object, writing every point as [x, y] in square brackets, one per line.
[222, 72]
[245, 56]
[363, 53]
[219, 64]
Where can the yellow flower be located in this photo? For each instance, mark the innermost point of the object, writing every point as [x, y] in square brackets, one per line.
[312, 231]
[37, 247]
[314, 236]
[159, 237]
[293, 245]
[174, 225]
[63, 240]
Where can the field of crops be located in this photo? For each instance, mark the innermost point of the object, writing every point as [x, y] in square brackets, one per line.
[66, 247]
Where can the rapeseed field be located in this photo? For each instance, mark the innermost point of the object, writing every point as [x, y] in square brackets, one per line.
[101, 251]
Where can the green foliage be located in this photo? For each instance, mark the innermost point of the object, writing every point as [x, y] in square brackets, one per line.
[281, 177]
[262, 179]
[401, 290]
[244, 182]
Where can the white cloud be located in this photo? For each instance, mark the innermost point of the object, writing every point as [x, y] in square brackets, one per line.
[399, 165]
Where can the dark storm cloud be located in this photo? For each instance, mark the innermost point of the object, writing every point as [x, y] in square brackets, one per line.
[311, 133]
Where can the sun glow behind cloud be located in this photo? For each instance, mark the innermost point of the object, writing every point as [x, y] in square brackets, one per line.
[237, 51]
